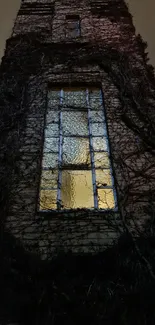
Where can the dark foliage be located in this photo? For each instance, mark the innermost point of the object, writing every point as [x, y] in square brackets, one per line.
[111, 287]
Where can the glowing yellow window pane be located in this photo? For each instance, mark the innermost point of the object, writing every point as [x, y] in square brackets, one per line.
[106, 199]
[49, 178]
[103, 177]
[101, 159]
[77, 189]
[48, 199]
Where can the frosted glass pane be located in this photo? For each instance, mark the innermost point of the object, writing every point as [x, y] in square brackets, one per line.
[49, 178]
[97, 116]
[77, 190]
[53, 99]
[106, 199]
[100, 143]
[50, 160]
[48, 199]
[76, 151]
[51, 129]
[101, 159]
[75, 123]
[103, 177]
[95, 99]
[98, 129]
[52, 117]
[74, 98]
[51, 144]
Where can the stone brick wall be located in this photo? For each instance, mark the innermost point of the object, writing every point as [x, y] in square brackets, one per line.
[79, 231]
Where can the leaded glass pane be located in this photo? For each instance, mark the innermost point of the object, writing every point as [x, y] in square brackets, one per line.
[95, 99]
[52, 117]
[100, 143]
[76, 151]
[75, 98]
[51, 144]
[106, 199]
[77, 191]
[98, 129]
[97, 116]
[50, 160]
[75, 123]
[53, 99]
[48, 199]
[103, 177]
[51, 130]
[49, 179]
[102, 159]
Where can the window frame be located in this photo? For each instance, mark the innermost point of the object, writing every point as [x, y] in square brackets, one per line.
[72, 19]
[92, 168]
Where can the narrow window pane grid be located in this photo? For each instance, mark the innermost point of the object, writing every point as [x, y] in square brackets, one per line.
[92, 153]
[74, 158]
[60, 156]
[72, 26]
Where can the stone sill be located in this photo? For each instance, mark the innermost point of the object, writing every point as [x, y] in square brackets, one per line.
[79, 213]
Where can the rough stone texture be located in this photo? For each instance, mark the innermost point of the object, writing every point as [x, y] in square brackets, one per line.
[48, 60]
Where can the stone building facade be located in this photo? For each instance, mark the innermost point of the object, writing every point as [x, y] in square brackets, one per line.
[77, 46]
